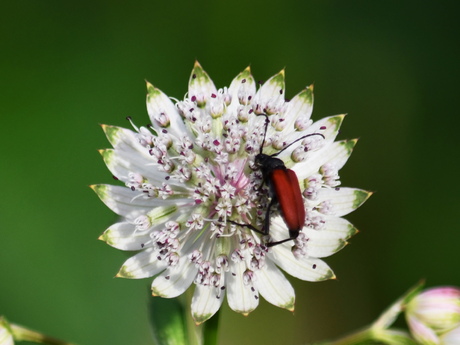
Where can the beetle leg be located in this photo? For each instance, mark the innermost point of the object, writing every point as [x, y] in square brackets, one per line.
[292, 237]
[266, 228]
[250, 226]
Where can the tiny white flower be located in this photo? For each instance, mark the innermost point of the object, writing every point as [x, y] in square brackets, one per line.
[192, 171]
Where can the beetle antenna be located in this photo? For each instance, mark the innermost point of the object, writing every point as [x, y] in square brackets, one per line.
[267, 121]
[305, 136]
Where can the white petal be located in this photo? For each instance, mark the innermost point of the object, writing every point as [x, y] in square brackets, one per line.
[244, 86]
[309, 269]
[337, 153]
[300, 105]
[332, 126]
[278, 229]
[329, 240]
[344, 200]
[122, 163]
[270, 96]
[321, 248]
[142, 265]
[130, 156]
[274, 287]
[124, 236]
[200, 84]
[157, 103]
[241, 298]
[205, 303]
[175, 280]
[132, 204]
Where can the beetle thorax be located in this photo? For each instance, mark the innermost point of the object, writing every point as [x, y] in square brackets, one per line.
[267, 163]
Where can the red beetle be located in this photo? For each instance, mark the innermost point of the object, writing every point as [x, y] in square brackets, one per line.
[284, 190]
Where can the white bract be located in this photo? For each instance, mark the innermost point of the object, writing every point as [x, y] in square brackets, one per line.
[192, 170]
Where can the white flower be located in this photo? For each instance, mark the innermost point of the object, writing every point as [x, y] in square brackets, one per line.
[192, 171]
[433, 316]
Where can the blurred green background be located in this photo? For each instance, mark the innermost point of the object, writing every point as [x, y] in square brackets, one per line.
[67, 67]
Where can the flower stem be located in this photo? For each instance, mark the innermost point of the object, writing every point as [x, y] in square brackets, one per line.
[195, 336]
[210, 331]
[354, 339]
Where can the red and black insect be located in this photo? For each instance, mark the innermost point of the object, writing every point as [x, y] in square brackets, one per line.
[284, 190]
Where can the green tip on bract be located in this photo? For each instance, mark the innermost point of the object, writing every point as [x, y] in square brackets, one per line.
[150, 87]
[278, 79]
[199, 319]
[99, 189]
[107, 155]
[111, 132]
[307, 95]
[360, 197]
[351, 231]
[124, 273]
[337, 121]
[245, 74]
[158, 293]
[106, 237]
[330, 275]
[152, 92]
[199, 75]
[350, 144]
[290, 305]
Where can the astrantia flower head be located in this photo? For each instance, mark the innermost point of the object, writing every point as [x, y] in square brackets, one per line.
[190, 178]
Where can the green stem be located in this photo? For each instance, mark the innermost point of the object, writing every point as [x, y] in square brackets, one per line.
[210, 331]
[354, 339]
[195, 336]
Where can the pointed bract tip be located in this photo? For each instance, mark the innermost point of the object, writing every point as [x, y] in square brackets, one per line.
[247, 69]
[102, 237]
[196, 64]
[311, 87]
